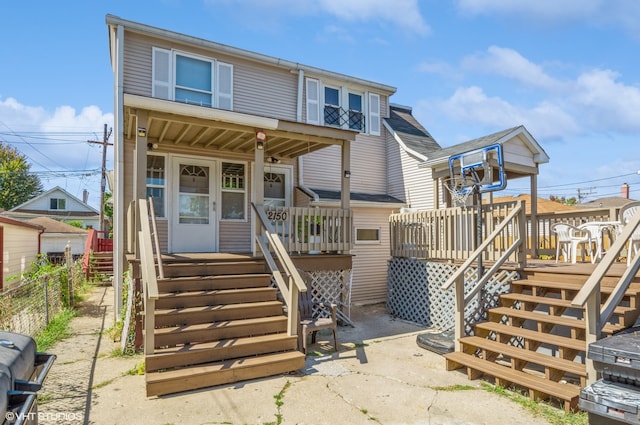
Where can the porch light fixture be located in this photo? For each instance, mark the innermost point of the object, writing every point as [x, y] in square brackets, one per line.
[261, 137]
[142, 132]
[347, 174]
[152, 146]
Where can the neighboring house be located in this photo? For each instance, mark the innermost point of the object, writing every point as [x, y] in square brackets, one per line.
[19, 245]
[58, 235]
[58, 204]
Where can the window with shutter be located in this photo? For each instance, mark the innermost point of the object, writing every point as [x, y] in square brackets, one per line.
[192, 79]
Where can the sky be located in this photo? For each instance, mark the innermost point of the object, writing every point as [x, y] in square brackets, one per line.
[568, 70]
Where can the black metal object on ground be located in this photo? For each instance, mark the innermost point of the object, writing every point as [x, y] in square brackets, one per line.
[615, 399]
[438, 342]
[22, 372]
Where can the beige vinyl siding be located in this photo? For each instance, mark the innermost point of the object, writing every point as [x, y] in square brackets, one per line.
[257, 89]
[516, 152]
[235, 236]
[407, 181]
[20, 249]
[322, 169]
[369, 281]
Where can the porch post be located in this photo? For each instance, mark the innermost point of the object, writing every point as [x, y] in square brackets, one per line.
[534, 216]
[258, 181]
[140, 168]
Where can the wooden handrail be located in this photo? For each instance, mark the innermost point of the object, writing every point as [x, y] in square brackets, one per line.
[458, 276]
[296, 283]
[156, 240]
[149, 278]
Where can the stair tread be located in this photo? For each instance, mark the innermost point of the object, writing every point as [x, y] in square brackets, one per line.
[540, 317]
[201, 292]
[557, 340]
[225, 323]
[201, 346]
[245, 362]
[214, 277]
[567, 391]
[219, 307]
[558, 302]
[551, 284]
[528, 355]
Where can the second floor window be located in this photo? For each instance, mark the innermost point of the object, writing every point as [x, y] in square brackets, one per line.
[192, 79]
[58, 204]
[342, 107]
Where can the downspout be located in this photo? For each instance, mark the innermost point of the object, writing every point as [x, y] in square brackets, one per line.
[300, 98]
[118, 199]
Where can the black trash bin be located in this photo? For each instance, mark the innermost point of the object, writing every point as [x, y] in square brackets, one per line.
[22, 372]
[614, 399]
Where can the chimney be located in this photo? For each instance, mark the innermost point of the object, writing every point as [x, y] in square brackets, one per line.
[85, 195]
[624, 191]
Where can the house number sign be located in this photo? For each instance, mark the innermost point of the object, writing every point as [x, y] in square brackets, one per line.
[277, 215]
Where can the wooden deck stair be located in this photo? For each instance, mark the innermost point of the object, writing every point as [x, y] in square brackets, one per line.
[536, 340]
[218, 323]
[101, 267]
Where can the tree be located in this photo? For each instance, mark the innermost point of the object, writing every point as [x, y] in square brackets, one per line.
[17, 183]
[563, 200]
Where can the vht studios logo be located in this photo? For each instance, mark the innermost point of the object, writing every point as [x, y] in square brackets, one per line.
[12, 417]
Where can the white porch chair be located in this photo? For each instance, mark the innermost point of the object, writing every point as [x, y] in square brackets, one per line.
[626, 213]
[569, 238]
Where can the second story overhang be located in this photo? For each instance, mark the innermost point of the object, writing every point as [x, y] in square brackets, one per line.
[174, 125]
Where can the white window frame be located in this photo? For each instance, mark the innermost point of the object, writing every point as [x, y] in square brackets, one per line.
[163, 57]
[164, 186]
[227, 190]
[367, 241]
[58, 201]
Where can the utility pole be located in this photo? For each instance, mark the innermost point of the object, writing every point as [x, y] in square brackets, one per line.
[582, 194]
[103, 181]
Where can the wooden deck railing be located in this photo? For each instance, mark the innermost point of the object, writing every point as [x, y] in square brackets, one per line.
[511, 229]
[311, 229]
[270, 244]
[449, 233]
[596, 314]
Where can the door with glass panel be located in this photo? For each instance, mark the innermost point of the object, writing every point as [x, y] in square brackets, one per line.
[194, 208]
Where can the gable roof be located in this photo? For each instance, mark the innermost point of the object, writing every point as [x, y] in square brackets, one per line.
[25, 206]
[54, 226]
[21, 223]
[500, 137]
[409, 133]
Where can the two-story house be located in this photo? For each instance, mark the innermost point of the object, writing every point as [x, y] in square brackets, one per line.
[207, 129]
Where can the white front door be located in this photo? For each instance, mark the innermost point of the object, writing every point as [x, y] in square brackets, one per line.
[194, 221]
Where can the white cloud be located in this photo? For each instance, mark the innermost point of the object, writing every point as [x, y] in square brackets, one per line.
[511, 64]
[472, 105]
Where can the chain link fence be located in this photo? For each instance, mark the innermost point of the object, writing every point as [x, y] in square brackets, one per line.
[45, 290]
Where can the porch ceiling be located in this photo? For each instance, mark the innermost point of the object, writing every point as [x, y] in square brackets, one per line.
[171, 124]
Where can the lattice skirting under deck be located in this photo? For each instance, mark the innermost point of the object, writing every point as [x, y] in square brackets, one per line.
[414, 294]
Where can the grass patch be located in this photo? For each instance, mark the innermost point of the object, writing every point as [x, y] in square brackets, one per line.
[280, 402]
[103, 384]
[138, 369]
[553, 415]
[456, 387]
[56, 330]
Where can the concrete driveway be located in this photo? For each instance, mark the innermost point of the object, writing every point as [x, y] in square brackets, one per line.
[378, 376]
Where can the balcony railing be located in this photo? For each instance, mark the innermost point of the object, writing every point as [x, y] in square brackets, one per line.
[312, 230]
[338, 117]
